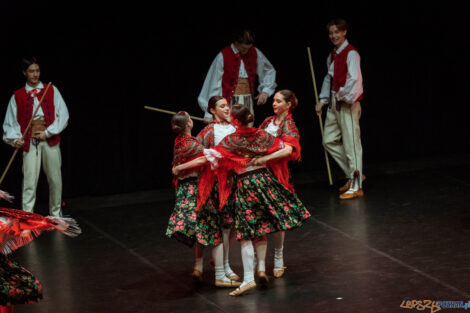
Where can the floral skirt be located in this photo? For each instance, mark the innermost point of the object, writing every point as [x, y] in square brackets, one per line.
[17, 285]
[263, 206]
[182, 224]
[189, 226]
[209, 220]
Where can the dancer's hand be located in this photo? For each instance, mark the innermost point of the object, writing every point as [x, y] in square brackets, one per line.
[262, 98]
[318, 107]
[18, 143]
[207, 120]
[175, 170]
[41, 135]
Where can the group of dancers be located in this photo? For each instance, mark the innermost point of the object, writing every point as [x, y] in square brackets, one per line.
[233, 179]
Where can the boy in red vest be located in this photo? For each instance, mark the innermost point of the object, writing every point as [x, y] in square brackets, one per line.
[232, 75]
[342, 91]
[41, 144]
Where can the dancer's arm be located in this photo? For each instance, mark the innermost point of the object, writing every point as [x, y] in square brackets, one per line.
[188, 165]
[279, 154]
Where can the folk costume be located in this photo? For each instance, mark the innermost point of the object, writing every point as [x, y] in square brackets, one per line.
[209, 137]
[342, 91]
[263, 205]
[232, 75]
[52, 117]
[287, 131]
[18, 228]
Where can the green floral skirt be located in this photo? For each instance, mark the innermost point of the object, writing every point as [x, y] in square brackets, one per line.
[182, 224]
[263, 206]
[189, 226]
[17, 285]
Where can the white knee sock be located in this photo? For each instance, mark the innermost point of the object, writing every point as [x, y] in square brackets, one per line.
[218, 256]
[199, 257]
[261, 245]
[247, 259]
[226, 236]
[278, 249]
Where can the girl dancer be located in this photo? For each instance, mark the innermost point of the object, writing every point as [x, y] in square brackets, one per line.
[185, 224]
[209, 137]
[282, 125]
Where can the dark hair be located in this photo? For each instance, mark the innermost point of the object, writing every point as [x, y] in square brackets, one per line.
[289, 96]
[339, 22]
[242, 114]
[179, 122]
[212, 103]
[27, 62]
[244, 36]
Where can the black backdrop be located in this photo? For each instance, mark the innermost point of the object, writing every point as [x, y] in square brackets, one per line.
[109, 60]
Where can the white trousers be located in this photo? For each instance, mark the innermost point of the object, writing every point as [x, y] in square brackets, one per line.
[342, 138]
[51, 161]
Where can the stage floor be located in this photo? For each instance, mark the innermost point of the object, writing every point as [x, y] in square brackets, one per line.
[406, 239]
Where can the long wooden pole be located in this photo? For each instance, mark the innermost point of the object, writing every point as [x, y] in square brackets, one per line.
[170, 112]
[319, 116]
[25, 132]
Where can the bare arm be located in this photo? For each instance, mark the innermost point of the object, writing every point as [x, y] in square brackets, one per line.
[279, 154]
[188, 165]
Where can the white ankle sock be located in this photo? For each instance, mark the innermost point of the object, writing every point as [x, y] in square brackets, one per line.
[261, 245]
[279, 249]
[247, 260]
[226, 241]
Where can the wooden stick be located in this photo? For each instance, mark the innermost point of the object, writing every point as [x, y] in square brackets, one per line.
[319, 116]
[171, 112]
[25, 132]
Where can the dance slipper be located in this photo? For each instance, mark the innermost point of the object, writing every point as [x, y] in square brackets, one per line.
[263, 278]
[197, 276]
[241, 290]
[348, 184]
[232, 276]
[224, 283]
[352, 195]
[279, 271]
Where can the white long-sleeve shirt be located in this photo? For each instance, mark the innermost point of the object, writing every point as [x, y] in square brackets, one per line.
[213, 83]
[352, 89]
[11, 127]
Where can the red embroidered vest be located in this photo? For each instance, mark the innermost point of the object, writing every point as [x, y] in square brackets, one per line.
[232, 67]
[341, 68]
[24, 105]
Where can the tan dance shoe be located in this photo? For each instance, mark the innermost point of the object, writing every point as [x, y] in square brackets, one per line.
[224, 283]
[345, 186]
[352, 195]
[241, 290]
[348, 184]
[197, 276]
[233, 276]
[279, 271]
[263, 278]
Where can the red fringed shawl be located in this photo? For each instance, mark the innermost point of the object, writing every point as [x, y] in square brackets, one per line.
[186, 149]
[206, 136]
[18, 228]
[288, 133]
[237, 150]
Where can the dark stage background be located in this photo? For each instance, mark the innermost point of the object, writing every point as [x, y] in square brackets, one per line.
[109, 61]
